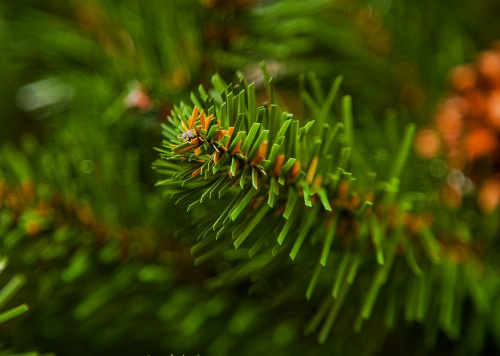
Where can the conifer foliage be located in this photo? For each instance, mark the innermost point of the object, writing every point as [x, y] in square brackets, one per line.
[323, 194]
[265, 189]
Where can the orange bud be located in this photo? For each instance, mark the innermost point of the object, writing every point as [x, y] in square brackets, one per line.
[480, 142]
[312, 170]
[489, 195]
[295, 170]
[261, 154]
[463, 77]
[427, 143]
[493, 108]
[193, 118]
[280, 159]
[488, 64]
[196, 172]
[219, 135]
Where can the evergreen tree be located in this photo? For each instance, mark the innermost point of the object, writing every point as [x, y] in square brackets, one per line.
[326, 193]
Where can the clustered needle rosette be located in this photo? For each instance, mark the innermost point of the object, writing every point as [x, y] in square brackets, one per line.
[261, 153]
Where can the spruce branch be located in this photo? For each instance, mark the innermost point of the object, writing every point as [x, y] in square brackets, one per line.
[260, 154]
[288, 193]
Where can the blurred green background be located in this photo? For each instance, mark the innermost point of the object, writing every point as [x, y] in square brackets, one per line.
[84, 86]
